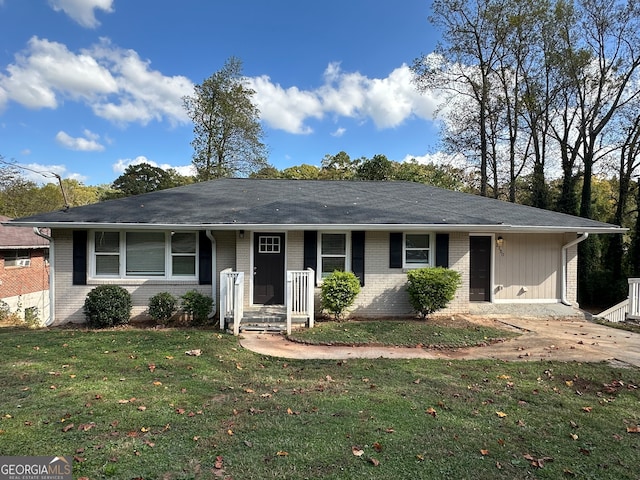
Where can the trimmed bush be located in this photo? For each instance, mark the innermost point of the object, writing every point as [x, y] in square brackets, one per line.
[431, 289]
[162, 306]
[338, 292]
[197, 305]
[107, 305]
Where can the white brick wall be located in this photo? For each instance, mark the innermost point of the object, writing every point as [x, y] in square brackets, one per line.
[69, 298]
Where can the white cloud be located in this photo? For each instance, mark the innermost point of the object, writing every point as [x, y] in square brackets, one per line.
[121, 165]
[339, 132]
[388, 102]
[115, 83]
[46, 70]
[88, 143]
[40, 173]
[439, 158]
[285, 109]
[82, 11]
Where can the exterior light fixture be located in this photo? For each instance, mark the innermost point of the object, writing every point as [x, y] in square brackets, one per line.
[500, 244]
[241, 234]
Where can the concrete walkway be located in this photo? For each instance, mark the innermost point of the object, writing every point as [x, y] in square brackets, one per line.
[564, 339]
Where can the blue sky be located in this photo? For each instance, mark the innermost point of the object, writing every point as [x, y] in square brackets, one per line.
[88, 87]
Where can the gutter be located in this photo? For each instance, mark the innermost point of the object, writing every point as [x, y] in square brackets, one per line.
[214, 267]
[49, 320]
[563, 294]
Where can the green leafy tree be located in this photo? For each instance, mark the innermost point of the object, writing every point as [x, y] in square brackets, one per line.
[141, 178]
[302, 172]
[226, 125]
[376, 168]
[338, 167]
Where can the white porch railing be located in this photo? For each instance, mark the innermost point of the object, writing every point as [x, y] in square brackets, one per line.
[627, 309]
[300, 295]
[634, 299]
[231, 298]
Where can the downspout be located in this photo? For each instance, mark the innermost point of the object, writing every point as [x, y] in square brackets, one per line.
[49, 320]
[563, 296]
[214, 267]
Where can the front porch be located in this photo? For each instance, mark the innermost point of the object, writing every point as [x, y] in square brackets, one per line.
[298, 310]
[628, 309]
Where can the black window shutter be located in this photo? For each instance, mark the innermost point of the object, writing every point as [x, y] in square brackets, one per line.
[205, 258]
[310, 249]
[395, 250]
[79, 257]
[357, 255]
[442, 250]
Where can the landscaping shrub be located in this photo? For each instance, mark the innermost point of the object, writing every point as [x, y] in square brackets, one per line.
[197, 305]
[338, 292]
[31, 317]
[162, 306]
[431, 289]
[107, 305]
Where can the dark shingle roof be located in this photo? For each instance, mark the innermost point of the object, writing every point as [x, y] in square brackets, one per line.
[300, 203]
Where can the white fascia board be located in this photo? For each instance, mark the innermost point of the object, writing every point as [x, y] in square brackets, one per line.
[472, 228]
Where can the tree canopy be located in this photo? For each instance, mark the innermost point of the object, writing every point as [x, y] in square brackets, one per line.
[226, 125]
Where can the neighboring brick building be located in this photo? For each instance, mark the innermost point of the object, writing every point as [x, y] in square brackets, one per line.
[24, 271]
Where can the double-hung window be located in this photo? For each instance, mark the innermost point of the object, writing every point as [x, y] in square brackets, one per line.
[417, 250]
[333, 253]
[144, 254]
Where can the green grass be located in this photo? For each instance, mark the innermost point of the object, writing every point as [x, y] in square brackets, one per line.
[435, 333]
[80, 393]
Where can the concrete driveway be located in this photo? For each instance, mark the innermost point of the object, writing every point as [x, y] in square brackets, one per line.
[563, 339]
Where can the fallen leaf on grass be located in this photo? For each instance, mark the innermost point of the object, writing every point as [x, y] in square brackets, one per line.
[587, 409]
[152, 367]
[142, 408]
[635, 429]
[282, 453]
[501, 414]
[68, 427]
[484, 452]
[357, 451]
[218, 464]
[431, 411]
[373, 461]
[78, 459]
[180, 411]
[123, 401]
[194, 353]
[377, 447]
[86, 426]
[157, 383]
[537, 462]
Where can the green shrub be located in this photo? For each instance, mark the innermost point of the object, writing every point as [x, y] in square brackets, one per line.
[5, 310]
[338, 292]
[197, 305]
[431, 289]
[162, 306]
[31, 317]
[107, 305]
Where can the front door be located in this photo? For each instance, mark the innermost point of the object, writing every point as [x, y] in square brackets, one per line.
[480, 268]
[268, 268]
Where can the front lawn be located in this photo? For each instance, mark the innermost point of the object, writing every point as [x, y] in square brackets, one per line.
[442, 332]
[129, 403]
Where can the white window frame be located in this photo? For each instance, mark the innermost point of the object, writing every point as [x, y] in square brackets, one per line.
[122, 254]
[432, 251]
[347, 253]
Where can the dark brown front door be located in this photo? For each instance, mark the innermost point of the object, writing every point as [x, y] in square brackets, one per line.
[268, 268]
[480, 269]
